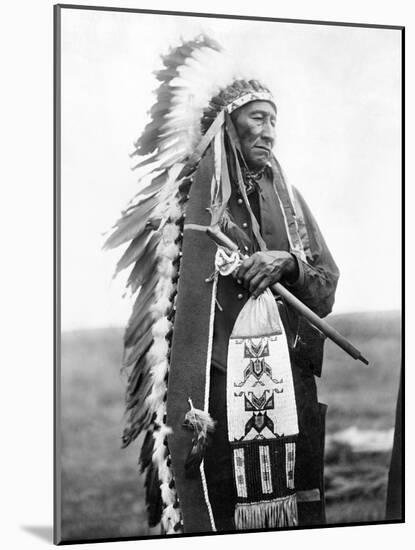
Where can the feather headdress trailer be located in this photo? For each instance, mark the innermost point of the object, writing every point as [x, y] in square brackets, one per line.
[152, 226]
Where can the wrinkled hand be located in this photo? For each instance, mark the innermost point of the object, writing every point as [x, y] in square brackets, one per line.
[264, 269]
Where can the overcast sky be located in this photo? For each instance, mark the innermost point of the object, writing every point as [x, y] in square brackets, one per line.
[338, 140]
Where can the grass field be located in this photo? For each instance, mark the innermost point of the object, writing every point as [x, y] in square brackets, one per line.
[102, 493]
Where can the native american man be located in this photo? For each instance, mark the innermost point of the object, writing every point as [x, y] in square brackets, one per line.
[204, 341]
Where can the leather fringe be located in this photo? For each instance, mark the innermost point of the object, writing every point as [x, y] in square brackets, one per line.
[281, 512]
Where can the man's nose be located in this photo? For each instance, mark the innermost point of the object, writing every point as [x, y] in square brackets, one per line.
[268, 131]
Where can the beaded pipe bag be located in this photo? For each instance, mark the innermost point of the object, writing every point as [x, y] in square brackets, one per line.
[262, 417]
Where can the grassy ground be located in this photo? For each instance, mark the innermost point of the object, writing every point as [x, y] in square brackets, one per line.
[101, 490]
[364, 397]
[102, 494]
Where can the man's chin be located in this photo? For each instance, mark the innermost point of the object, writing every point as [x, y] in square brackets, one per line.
[257, 165]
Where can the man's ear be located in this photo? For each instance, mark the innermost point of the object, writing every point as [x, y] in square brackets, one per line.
[234, 116]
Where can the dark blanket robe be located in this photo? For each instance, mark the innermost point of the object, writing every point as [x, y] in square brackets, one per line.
[195, 305]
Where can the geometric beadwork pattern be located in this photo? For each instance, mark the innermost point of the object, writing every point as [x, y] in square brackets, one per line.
[260, 389]
[264, 460]
[290, 464]
[239, 468]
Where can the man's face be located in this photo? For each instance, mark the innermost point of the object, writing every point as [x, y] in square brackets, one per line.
[255, 126]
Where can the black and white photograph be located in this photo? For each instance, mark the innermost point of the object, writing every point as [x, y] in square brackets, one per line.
[228, 224]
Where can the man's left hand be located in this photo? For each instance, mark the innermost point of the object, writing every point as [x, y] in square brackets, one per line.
[264, 269]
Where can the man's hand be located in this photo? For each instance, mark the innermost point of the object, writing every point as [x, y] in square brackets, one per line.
[264, 269]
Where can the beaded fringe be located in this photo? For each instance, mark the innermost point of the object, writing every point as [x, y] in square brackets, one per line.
[281, 512]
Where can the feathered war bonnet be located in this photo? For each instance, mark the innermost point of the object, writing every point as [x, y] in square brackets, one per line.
[200, 87]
